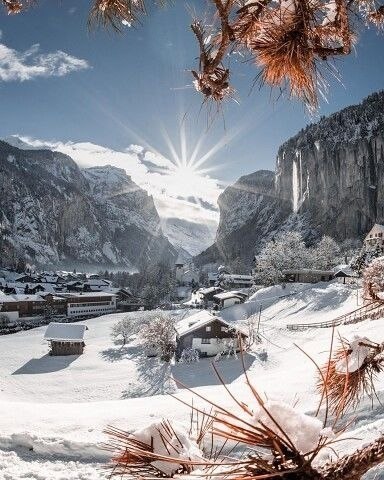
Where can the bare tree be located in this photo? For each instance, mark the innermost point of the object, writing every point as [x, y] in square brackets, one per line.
[125, 328]
[291, 42]
[159, 336]
[373, 279]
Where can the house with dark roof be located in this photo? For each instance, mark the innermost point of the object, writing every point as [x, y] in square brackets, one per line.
[205, 333]
[227, 299]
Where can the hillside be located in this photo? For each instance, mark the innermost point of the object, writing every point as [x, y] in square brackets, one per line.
[56, 434]
[54, 213]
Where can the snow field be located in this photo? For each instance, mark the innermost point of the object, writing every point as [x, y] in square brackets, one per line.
[56, 412]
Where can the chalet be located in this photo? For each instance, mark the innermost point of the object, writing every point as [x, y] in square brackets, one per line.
[186, 276]
[75, 286]
[23, 278]
[125, 300]
[375, 238]
[55, 305]
[96, 285]
[207, 294]
[212, 278]
[231, 280]
[52, 277]
[234, 280]
[227, 299]
[25, 305]
[9, 306]
[307, 275]
[65, 338]
[206, 333]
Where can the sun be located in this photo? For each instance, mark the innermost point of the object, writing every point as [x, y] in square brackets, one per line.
[186, 171]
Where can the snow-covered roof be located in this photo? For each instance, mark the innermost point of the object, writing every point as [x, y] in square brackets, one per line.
[12, 276]
[240, 293]
[226, 295]
[97, 282]
[48, 287]
[50, 279]
[380, 295]
[21, 297]
[308, 270]
[117, 290]
[344, 271]
[86, 294]
[377, 228]
[236, 276]
[207, 291]
[65, 332]
[3, 297]
[198, 320]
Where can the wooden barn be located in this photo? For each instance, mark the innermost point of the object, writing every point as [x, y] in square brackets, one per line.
[205, 333]
[65, 338]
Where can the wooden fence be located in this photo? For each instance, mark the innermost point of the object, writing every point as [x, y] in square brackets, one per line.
[372, 310]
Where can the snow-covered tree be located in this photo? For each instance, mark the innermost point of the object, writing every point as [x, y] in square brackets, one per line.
[251, 329]
[189, 355]
[363, 258]
[125, 328]
[286, 252]
[373, 278]
[4, 320]
[159, 335]
[228, 348]
[326, 254]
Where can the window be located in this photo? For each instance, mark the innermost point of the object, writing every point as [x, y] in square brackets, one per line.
[206, 340]
[208, 329]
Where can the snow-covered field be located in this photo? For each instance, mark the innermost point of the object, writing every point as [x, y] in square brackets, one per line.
[54, 410]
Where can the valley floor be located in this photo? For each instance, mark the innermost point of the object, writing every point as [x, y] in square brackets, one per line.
[54, 410]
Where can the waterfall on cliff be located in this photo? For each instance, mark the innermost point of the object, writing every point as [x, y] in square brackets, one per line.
[295, 185]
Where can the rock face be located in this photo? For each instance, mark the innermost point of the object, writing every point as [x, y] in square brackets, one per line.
[334, 170]
[54, 213]
[250, 213]
[329, 180]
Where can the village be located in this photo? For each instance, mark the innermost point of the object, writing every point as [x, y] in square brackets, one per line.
[58, 299]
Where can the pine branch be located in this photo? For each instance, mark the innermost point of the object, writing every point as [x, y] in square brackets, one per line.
[353, 467]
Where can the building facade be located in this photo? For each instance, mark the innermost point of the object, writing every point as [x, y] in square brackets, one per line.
[375, 238]
[206, 333]
[84, 304]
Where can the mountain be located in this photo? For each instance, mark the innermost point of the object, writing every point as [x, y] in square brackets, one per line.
[190, 237]
[188, 220]
[328, 180]
[54, 213]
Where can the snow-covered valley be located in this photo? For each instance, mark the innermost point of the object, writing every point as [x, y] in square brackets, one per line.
[54, 410]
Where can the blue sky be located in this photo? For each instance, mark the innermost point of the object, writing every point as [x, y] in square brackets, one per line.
[136, 86]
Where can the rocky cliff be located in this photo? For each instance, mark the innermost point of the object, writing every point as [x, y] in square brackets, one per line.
[334, 170]
[54, 213]
[329, 180]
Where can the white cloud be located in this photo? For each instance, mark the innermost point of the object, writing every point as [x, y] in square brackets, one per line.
[30, 64]
[175, 194]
